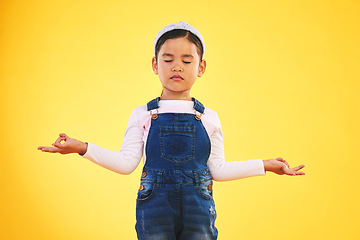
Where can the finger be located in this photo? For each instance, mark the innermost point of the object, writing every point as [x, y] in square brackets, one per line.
[63, 135]
[280, 159]
[59, 139]
[50, 149]
[289, 172]
[295, 173]
[286, 163]
[57, 143]
[298, 167]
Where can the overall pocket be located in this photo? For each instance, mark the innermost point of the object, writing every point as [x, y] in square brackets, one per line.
[177, 142]
[205, 188]
[146, 190]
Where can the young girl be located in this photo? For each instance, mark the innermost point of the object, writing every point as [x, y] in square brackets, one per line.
[181, 144]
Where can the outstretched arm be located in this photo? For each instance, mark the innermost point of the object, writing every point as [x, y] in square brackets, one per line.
[226, 171]
[66, 145]
[280, 167]
[124, 161]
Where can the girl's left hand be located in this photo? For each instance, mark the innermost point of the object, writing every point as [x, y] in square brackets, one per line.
[66, 145]
[280, 167]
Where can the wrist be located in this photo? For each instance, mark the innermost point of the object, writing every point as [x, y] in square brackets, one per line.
[268, 165]
[83, 148]
[265, 165]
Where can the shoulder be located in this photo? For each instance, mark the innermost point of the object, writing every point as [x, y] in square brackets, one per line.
[211, 121]
[139, 115]
[140, 110]
[212, 116]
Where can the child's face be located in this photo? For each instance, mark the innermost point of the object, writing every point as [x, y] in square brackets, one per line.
[178, 65]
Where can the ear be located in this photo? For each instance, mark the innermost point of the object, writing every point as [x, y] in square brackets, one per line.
[154, 65]
[202, 68]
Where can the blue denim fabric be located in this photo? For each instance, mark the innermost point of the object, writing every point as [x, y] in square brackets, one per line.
[175, 197]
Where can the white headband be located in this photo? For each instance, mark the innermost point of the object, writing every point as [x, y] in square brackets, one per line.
[184, 26]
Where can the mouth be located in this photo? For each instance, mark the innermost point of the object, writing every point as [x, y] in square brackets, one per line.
[177, 78]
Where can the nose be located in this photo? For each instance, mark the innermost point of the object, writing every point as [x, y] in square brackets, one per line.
[177, 68]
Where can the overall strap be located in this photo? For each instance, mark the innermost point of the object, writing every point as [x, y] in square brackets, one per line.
[153, 104]
[198, 106]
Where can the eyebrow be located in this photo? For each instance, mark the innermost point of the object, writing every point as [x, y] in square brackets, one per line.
[171, 55]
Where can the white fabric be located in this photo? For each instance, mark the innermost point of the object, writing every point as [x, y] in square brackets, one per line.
[133, 148]
[180, 25]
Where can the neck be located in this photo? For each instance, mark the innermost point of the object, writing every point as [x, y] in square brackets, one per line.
[166, 95]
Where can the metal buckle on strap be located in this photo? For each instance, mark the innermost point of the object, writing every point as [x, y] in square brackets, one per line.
[154, 115]
[198, 115]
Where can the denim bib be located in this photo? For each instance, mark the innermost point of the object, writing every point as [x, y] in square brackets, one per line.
[177, 140]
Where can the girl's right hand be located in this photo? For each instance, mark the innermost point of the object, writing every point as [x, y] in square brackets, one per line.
[65, 145]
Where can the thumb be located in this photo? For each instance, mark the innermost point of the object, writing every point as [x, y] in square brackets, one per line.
[64, 136]
[280, 159]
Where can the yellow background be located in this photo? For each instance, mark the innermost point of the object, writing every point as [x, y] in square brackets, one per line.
[282, 75]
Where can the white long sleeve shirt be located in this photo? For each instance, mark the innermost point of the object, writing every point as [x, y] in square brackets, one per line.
[133, 148]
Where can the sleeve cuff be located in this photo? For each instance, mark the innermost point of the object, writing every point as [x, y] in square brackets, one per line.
[259, 166]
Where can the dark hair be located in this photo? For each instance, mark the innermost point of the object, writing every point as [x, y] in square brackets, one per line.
[177, 33]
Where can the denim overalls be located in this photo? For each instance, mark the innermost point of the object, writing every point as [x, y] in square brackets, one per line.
[175, 195]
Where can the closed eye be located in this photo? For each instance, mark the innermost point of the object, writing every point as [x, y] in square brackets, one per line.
[186, 62]
[167, 60]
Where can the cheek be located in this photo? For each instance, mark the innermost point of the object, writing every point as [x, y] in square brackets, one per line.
[162, 73]
[161, 67]
[196, 70]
